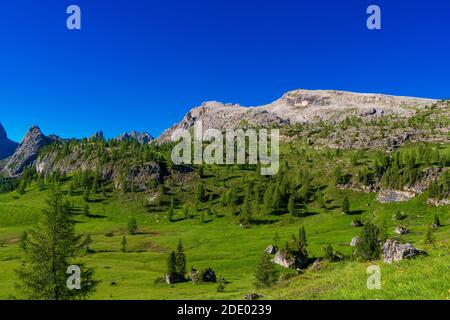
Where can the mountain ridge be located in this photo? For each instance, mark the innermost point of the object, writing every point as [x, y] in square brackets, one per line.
[300, 107]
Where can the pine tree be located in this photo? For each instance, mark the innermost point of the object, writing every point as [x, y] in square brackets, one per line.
[437, 222]
[429, 237]
[276, 199]
[291, 206]
[87, 193]
[180, 260]
[132, 226]
[50, 249]
[23, 240]
[172, 265]
[329, 253]
[346, 206]
[170, 212]
[86, 210]
[87, 242]
[124, 244]
[368, 247]
[266, 275]
[302, 243]
[200, 192]
[268, 200]
[186, 211]
[41, 183]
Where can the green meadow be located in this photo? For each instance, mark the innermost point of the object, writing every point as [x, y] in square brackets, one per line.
[231, 249]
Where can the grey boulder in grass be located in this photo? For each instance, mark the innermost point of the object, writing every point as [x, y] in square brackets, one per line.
[394, 251]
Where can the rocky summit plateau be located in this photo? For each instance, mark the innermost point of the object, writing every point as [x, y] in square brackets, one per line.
[300, 107]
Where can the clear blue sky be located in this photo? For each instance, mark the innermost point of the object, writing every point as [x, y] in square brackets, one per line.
[141, 64]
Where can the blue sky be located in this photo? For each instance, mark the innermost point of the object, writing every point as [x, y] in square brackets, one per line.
[142, 64]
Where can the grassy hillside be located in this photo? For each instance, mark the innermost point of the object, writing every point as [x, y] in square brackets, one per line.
[216, 233]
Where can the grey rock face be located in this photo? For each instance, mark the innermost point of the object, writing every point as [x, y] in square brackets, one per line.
[140, 137]
[27, 151]
[301, 107]
[354, 241]
[7, 147]
[216, 115]
[395, 251]
[289, 259]
[271, 249]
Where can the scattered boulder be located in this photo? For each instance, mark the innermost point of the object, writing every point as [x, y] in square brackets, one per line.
[207, 275]
[357, 223]
[195, 276]
[434, 226]
[388, 196]
[401, 230]
[316, 266]
[438, 202]
[354, 241]
[290, 259]
[172, 279]
[252, 296]
[271, 249]
[394, 251]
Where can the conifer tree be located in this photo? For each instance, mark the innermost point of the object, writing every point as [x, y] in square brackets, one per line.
[86, 210]
[429, 237]
[346, 206]
[124, 244]
[437, 222]
[266, 275]
[291, 206]
[180, 260]
[172, 265]
[132, 226]
[302, 243]
[50, 249]
[87, 242]
[170, 212]
[368, 247]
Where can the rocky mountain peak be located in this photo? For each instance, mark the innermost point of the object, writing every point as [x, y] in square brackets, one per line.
[27, 151]
[140, 137]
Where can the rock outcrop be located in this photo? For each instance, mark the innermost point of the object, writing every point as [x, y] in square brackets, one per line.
[7, 147]
[394, 251]
[290, 259]
[388, 196]
[27, 151]
[140, 137]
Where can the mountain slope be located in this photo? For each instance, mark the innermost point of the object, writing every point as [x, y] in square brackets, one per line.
[7, 147]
